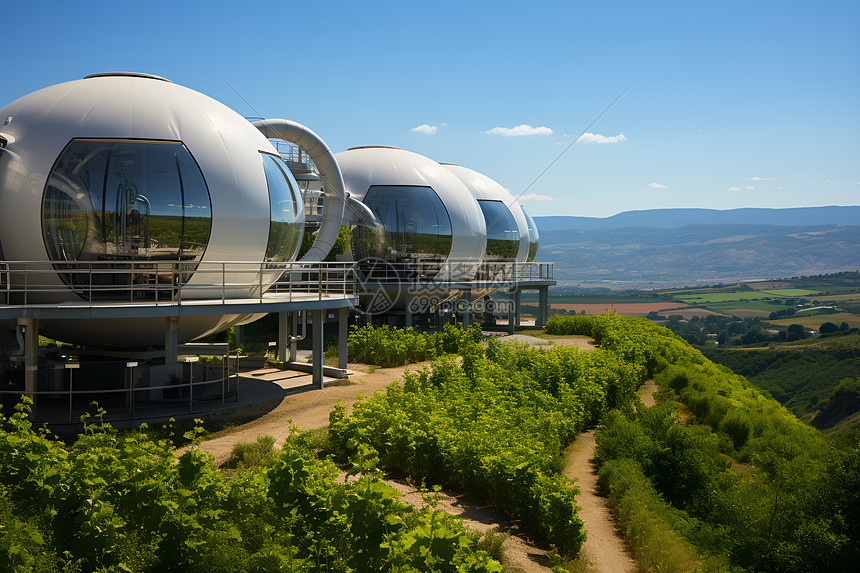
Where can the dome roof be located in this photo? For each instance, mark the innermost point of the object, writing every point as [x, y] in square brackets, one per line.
[136, 107]
[387, 167]
[485, 189]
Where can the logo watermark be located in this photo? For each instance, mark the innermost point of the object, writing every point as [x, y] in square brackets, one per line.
[423, 286]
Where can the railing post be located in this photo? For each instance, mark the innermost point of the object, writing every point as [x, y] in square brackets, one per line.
[223, 283]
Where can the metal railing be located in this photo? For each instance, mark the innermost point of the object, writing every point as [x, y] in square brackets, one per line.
[292, 153]
[171, 282]
[435, 271]
[130, 393]
[24, 283]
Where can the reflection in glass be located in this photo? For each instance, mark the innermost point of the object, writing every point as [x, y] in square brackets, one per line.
[534, 237]
[121, 200]
[287, 221]
[417, 228]
[503, 237]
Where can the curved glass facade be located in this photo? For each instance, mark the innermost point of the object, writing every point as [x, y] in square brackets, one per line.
[503, 237]
[287, 214]
[126, 200]
[417, 228]
[534, 237]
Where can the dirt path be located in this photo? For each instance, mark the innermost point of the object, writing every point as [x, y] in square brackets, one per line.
[308, 410]
[646, 392]
[519, 555]
[603, 548]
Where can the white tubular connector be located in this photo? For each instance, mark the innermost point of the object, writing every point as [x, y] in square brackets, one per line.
[335, 194]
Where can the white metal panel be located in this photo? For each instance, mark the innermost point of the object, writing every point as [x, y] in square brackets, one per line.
[364, 167]
[482, 187]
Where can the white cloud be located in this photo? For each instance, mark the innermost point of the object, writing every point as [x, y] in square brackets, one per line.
[597, 138]
[768, 178]
[749, 188]
[424, 128]
[733, 189]
[657, 186]
[754, 179]
[520, 130]
[444, 124]
[781, 188]
[536, 197]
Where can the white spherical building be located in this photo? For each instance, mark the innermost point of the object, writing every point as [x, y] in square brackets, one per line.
[534, 237]
[426, 216]
[132, 168]
[507, 227]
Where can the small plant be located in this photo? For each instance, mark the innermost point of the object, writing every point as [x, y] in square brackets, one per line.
[252, 454]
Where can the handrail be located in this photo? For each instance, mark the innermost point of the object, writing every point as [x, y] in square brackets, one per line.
[170, 282]
[177, 283]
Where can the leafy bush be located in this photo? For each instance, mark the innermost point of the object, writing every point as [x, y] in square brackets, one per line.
[495, 426]
[123, 502]
[386, 346]
[250, 454]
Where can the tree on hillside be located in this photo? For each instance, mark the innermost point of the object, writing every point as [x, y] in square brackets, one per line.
[827, 328]
[795, 332]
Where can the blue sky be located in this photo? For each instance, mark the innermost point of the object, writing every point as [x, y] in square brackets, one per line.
[732, 104]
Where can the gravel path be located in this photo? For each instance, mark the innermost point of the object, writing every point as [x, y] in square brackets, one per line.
[604, 547]
[310, 409]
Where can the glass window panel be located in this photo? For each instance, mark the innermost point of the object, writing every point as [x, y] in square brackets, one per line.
[126, 200]
[286, 224]
[534, 237]
[503, 237]
[417, 228]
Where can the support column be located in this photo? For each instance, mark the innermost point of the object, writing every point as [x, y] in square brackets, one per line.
[512, 312]
[467, 310]
[317, 347]
[283, 335]
[517, 306]
[408, 298]
[30, 326]
[171, 342]
[342, 336]
[239, 332]
[543, 306]
[294, 330]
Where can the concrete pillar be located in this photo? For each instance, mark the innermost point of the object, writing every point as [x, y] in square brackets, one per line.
[283, 335]
[171, 340]
[239, 332]
[294, 330]
[30, 326]
[342, 335]
[543, 306]
[517, 316]
[171, 343]
[317, 347]
[467, 310]
[408, 299]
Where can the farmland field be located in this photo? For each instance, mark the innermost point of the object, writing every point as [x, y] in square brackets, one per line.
[707, 298]
[642, 308]
[792, 292]
[815, 321]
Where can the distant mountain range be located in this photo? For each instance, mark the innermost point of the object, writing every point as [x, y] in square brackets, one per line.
[673, 218]
[675, 247]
